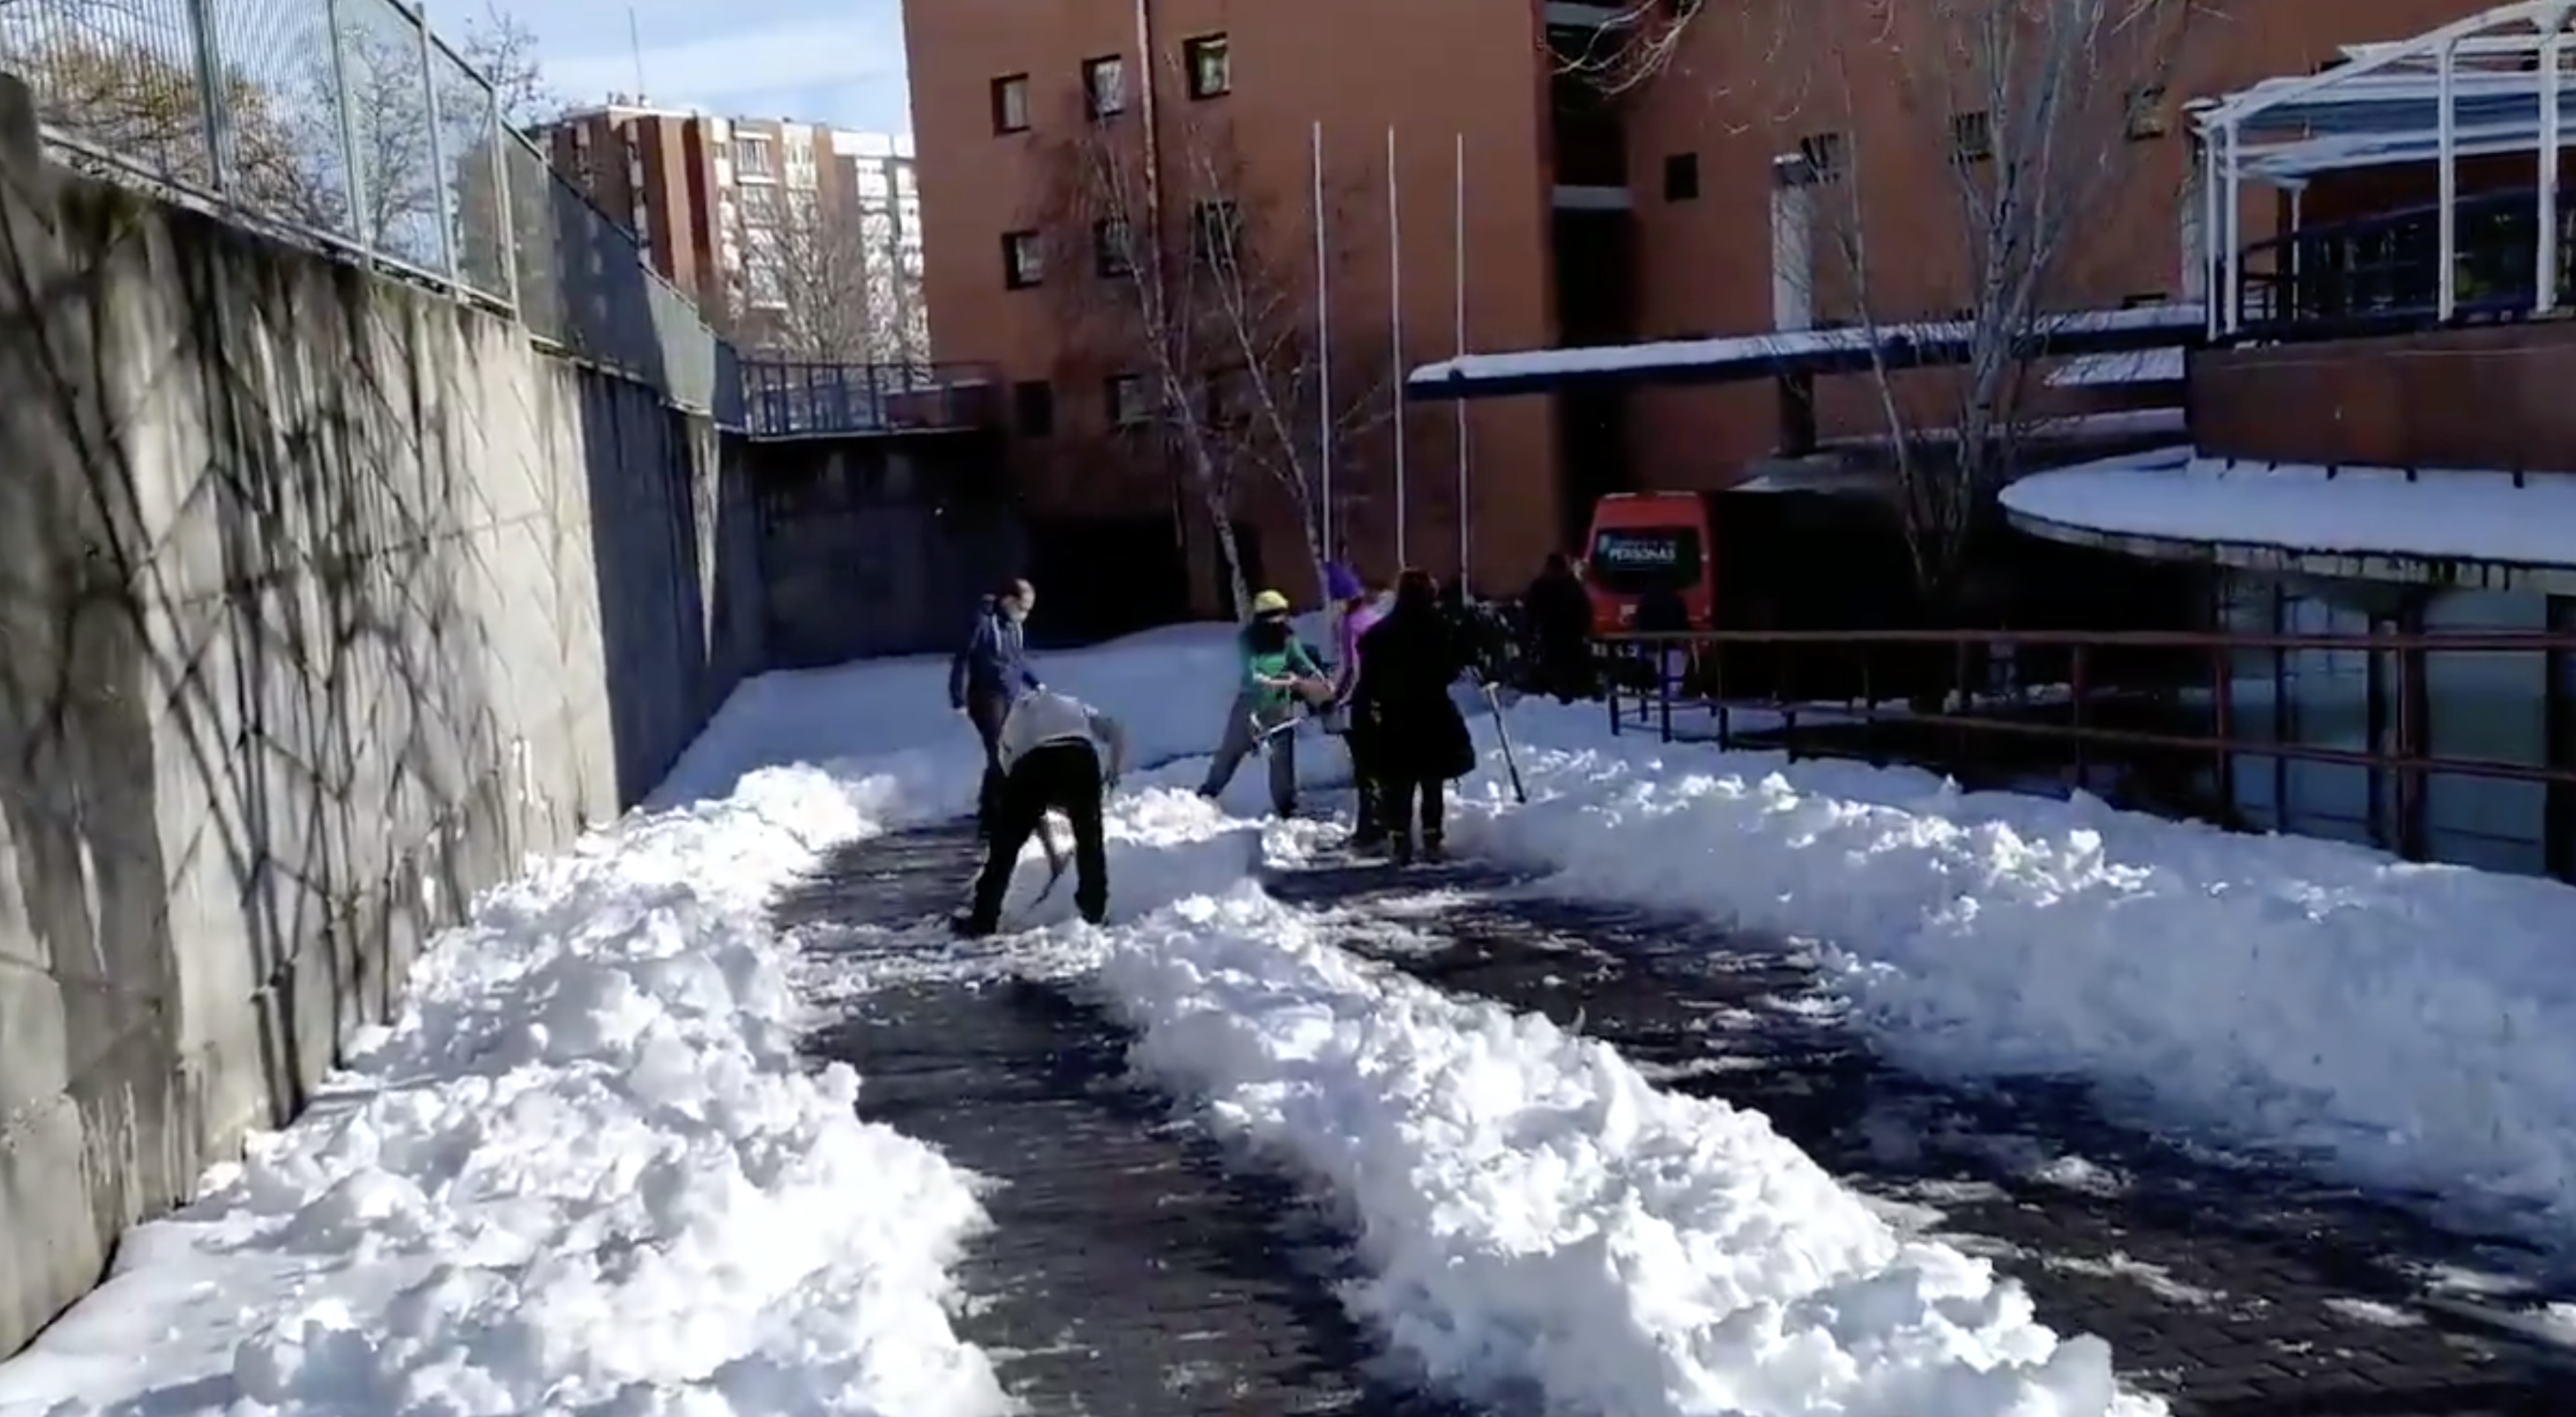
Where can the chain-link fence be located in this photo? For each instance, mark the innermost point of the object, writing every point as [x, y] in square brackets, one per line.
[348, 123]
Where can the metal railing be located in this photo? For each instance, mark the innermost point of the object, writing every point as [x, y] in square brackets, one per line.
[349, 125]
[2384, 272]
[793, 399]
[2174, 716]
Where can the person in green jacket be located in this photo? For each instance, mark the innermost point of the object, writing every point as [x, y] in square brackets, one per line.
[1279, 676]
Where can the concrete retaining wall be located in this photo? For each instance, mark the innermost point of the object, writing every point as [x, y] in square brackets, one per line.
[322, 600]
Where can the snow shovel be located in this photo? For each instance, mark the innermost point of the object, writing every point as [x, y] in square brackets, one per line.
[1511, 761]
[1055, 863]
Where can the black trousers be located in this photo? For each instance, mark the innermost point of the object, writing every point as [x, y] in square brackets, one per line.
[1403, 794]
[986, 710]
[1052, 777]
[1368, 782]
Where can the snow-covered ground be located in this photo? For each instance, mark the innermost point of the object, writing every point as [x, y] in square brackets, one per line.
[587, 1169]
[2411, 1024]
[587, 1166]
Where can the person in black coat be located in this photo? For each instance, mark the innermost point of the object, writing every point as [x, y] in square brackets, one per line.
[1560, 629]
[1408, 661]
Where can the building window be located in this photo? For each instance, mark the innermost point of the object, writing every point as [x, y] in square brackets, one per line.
[1104, 86]
[2145, 300]
[1011, 104]
[2147, 113]
[1824, 155]
[1127, 403]
[1972, 137]
[1229, 398]
[1023, 259]
[1211, 73]
[1112, 249]
[751, 158]
[1033, 408]
[1681, 177]
[1216, 233]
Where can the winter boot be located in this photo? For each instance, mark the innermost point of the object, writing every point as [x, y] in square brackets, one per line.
[1434, 850]
[1400, 850]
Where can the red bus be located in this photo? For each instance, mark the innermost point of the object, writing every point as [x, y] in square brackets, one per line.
[1643, 543]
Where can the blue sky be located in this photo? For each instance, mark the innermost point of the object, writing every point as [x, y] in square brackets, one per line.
[829, 61]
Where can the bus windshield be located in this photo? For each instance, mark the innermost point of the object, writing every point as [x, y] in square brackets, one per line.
[1639, 560]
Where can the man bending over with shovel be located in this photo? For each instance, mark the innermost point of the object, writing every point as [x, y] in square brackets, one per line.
[1057, 754]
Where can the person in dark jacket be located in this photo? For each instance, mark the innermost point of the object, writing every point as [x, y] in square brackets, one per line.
[1560, 625]
[1419, 740]
[990, 674]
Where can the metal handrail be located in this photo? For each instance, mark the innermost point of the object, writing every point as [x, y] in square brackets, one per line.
[2384, 270]
[2407, 760]
[800, 398]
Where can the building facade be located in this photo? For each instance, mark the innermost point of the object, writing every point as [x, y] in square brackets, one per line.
[2381, 466]
[1606, 201]
[795, 238]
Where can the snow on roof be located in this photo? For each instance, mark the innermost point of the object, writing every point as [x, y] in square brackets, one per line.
[2181, 320]
[2135, 366]
[2444, 516]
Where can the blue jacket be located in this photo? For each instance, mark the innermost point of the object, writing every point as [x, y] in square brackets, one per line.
[994, 661]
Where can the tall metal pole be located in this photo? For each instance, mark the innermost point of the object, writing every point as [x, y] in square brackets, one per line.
[2211, 233]
[1458, 407]
[2553, 56]
[2232, 233]
[2446, 160]
[1395, 325]
[1323, 359]
[447, 266]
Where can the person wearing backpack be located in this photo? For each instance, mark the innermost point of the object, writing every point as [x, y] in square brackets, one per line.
[1279, 677]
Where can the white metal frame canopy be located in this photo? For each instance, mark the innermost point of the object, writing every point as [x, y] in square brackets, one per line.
[2495, 82]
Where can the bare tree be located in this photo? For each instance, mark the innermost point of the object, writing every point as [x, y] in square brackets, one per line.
[415, 124]
[1189, 296]
[127, 94]
[2028, 107]
[822, 281]
[370, 136]
[503, 50]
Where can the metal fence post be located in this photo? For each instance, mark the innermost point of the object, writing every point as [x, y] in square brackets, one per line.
[357, 177]
[437, 159]
[211, 105]
[508, 232]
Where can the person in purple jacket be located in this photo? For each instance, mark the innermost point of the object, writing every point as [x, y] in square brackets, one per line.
[1359, 613]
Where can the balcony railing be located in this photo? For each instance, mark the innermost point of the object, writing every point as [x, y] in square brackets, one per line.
[2384, 273]
[784, 399]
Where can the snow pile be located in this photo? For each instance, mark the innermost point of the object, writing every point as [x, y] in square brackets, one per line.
[585, 1170]
[2439, 514]
[2416, 1023]
[1538, 1216]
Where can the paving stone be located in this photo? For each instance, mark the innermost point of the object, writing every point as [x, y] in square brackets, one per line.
[2234, 1288]
[1134, 1269]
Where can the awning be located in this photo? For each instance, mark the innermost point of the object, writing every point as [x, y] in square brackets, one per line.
[1840, 350]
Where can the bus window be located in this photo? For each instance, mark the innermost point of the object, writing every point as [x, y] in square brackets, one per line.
[1633, 561]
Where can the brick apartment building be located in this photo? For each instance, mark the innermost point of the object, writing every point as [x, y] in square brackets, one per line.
[1590, 218]
[793, 236]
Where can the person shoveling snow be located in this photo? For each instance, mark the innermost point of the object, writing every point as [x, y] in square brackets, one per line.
[1058, 754]
[1279, 679]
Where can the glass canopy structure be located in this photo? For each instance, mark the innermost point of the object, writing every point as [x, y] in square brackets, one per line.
[2495, 82]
